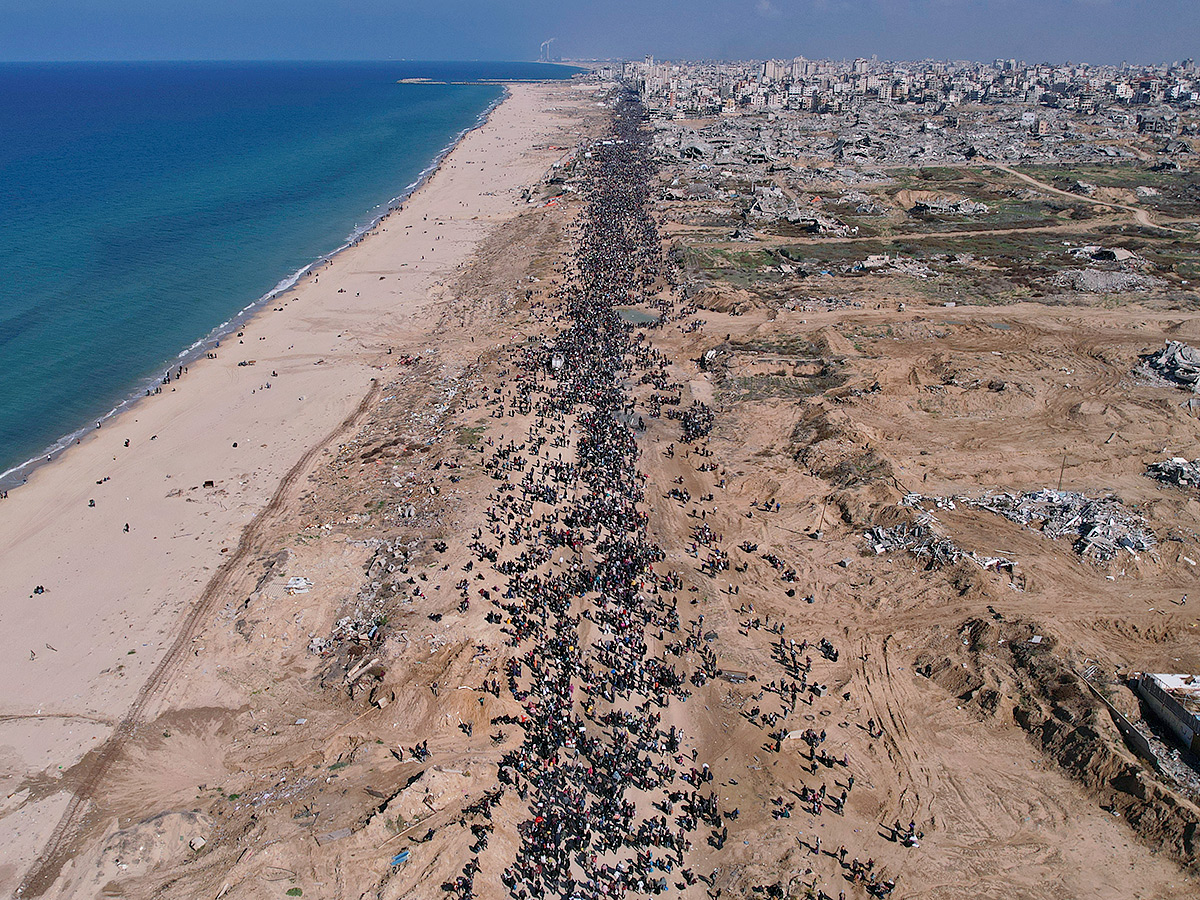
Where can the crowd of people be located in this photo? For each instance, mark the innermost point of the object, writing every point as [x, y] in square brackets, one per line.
[567, 530]
[615, 803]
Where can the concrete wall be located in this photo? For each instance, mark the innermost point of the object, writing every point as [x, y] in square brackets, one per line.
[1185, 725]
[1134, 739]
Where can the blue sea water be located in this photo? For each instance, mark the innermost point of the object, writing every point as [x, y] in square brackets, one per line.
[142, 205]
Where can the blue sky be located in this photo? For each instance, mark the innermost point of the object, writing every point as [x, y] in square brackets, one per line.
[1035, 30]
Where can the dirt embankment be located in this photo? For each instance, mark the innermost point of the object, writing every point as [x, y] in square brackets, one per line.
[1005, 668]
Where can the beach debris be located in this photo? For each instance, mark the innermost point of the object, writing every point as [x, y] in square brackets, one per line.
[319, 646]
[298, 585]
[353, 675]
[1176, 471]
[366, 614]
[1177, 363]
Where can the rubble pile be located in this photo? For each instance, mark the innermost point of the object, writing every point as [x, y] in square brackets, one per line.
[943, 206]
[1176, 471]
[1093, 281]
[821, 304]
[923, 542]
[367, 612]
[822, 223]
[771, 203]
[885, 263]
[1105, 254]
[1101, 526]
[1177, 363]
[867, 136]
[918, 539]
[864, 204]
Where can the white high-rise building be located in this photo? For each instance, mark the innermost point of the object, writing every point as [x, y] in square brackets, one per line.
[773, 70]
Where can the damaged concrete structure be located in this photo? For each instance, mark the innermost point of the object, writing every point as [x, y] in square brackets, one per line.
[1175, 699]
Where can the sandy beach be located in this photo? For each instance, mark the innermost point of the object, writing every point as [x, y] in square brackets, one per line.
[106, 550]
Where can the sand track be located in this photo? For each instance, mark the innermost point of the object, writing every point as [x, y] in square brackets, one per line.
[74, 825]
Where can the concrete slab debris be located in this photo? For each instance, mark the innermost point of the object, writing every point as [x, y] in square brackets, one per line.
[1177, 363]
[1176, 471]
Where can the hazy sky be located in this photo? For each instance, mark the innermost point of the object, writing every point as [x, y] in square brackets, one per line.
[1035, 30]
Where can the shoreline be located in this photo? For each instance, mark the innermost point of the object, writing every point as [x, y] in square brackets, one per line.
[17, 476]
[122, 534]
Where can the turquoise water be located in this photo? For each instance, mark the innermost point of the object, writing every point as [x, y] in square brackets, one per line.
[143, 205]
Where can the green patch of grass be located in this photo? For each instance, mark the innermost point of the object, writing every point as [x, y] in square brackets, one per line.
[939, 174]
[813, 255]
[787, 344]
[469, 436]
[924, 176]
[1116, 175]
[294, 892]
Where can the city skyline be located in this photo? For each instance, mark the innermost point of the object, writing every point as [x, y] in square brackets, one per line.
[1054, 31]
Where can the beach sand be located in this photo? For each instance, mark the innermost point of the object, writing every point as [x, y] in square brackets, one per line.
[189, 469]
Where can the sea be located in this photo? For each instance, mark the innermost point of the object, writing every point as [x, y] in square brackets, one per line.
[148, 208]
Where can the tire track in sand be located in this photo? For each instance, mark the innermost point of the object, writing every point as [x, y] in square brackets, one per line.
[72, 826]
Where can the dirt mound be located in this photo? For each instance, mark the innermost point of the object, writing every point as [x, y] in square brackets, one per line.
[1007, 668]
[829, 342]
[161, 841]
[834, 449]
[433, 789]
[724, 300]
